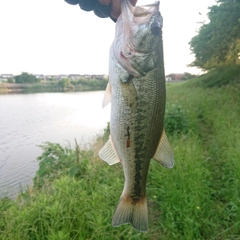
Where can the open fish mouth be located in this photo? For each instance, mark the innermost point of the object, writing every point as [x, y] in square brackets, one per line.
[143, 10]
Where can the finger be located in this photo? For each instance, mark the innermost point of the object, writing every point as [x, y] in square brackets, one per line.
[101, 10]
[114, 19]
[86, 5]
[116, 9]
[105, 2]
[73, 2]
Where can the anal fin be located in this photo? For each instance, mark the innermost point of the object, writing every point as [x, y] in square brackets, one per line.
[108, 153]
[164, 153]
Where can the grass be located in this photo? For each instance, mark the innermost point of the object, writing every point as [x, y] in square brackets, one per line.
[75, 194]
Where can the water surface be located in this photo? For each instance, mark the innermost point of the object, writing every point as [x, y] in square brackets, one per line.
[28, 120]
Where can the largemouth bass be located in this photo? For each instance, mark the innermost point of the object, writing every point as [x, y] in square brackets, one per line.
[136, 90]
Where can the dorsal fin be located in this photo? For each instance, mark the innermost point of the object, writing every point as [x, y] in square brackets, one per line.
[164, 153]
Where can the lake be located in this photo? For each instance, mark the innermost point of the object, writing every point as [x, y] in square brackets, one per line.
[28, 120]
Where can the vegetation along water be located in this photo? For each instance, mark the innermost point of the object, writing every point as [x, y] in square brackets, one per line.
[75, 193]
[29, 83]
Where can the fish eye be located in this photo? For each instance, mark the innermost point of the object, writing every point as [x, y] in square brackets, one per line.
[156, 28]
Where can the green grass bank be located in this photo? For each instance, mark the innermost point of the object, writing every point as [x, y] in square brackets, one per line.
[75, 193]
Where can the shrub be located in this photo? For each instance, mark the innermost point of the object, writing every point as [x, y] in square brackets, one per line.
[176, 120]
[57, 161]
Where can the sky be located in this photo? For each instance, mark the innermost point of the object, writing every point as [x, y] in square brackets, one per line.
[53, 37]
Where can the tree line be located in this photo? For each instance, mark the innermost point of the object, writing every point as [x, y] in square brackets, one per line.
[24, 78]
[218, 41]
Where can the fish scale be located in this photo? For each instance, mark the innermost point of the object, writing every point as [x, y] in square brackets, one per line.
[136, 90]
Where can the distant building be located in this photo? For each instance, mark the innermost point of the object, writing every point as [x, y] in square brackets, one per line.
[74, 76]
[99, 76]
[39, 76]
[87, 76]
[52, 77]
[62, 76]
[174, 77]
[6, 76]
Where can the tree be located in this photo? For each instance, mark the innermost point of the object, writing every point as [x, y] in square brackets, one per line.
[26, 78]
[218, 42]
[11, 80]
[65, 84]
[188, 76]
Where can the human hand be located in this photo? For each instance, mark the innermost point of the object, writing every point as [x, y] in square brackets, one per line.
[101, 8]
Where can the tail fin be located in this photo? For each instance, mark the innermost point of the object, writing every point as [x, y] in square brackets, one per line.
[130, 211]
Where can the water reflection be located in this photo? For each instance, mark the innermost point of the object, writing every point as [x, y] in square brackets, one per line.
[27, 120]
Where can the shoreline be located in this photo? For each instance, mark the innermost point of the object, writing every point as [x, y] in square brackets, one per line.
[73, 86]
[13, 87]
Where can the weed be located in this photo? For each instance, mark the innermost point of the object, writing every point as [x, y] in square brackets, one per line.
[175, 120]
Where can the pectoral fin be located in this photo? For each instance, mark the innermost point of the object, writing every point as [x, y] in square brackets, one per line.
[107, 95]
[164, 153]
[108, 153]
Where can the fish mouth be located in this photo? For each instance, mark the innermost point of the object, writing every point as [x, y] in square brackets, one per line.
[133, 17]
[138, 14]
[143, 10]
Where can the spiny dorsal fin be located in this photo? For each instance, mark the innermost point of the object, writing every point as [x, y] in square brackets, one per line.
[107, 95]
[108, 153]
[164, 153]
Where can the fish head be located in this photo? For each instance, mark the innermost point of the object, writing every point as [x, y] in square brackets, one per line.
[138, 37]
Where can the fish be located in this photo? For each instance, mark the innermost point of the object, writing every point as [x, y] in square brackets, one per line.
[137, 93]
